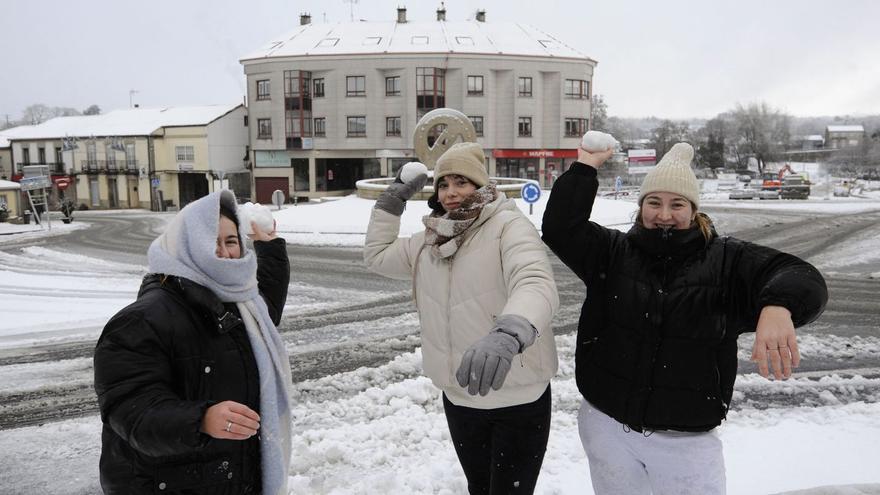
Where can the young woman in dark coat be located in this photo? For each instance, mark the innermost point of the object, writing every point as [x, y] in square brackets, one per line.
[192, 378]
[656, 354]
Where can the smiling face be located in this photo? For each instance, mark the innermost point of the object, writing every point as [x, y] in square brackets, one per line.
[227, 239]
[452, 189]
[666, 210]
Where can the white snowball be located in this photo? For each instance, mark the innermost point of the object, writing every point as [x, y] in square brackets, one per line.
[411, 170]
[594, 141]
[254, 212]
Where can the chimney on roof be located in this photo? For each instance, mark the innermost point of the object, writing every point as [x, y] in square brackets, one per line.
[441, 12]
[481, 15]
[401, 14]
[305, 18]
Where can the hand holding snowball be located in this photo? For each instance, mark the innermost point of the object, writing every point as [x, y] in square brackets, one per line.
[596, 148]
[256, 221]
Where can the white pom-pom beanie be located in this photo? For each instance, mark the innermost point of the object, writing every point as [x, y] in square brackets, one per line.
[673, 174]
[464, 159]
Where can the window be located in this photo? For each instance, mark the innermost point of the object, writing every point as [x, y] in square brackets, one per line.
[59, 157]
[576, 88]
[525, 126]
[26, 155]
[430, 90]
[392, 126]
[110, 153]
[41, 155]
[320, 127]
[319, 87]
[264, 128]
[392, 86]
[575, 127]
[184, 153]
[478, 124]
[245, 120]
[357, 126]
[263, 89]
[475, 85]
[356, 86]
[525, 86]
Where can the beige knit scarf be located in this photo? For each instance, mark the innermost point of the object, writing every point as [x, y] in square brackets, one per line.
[445, 233]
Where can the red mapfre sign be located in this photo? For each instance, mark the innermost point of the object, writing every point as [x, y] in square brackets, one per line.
[534, 153]
[62, 183]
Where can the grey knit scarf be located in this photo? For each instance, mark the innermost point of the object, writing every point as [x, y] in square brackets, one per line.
[444, 233]
[187, 249]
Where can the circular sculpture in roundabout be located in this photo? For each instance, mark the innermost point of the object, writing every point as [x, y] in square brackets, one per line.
[435, 133]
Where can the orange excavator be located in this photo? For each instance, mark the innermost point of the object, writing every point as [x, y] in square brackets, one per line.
[772, 181]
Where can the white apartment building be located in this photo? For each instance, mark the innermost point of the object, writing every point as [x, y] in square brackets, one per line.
[330, 104]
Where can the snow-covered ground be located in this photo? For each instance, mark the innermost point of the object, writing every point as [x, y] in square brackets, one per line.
[382, 429]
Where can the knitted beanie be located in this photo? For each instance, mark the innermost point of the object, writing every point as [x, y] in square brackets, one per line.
[464, 159]
[673, 174]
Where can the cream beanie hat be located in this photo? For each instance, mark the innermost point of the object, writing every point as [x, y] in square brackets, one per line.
[673, 174]
[465, 159]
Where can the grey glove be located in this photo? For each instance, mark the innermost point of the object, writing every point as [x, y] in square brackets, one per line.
[394, 198]
[486, 363]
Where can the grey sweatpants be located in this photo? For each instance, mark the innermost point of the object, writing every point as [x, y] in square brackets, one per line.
[663, 463]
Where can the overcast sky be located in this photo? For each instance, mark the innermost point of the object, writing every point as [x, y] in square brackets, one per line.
[670, 59]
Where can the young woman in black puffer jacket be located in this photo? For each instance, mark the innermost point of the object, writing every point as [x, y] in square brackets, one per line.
[656, 354]
[192, 378]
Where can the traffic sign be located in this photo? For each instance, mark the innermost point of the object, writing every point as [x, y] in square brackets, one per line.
[531, 193]
[154, 182]
[31, 183]
[62, 183]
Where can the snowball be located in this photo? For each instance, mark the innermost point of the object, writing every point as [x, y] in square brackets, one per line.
[411, 170]
[594, 141]
[254, 212]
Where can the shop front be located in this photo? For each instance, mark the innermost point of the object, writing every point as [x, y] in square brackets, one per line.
[543, 166]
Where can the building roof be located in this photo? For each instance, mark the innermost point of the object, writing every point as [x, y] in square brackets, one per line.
[128, 122]
[845, 128]
[6, 185]
[388, 37]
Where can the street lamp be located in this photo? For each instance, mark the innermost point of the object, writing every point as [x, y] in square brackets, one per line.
[131, 92]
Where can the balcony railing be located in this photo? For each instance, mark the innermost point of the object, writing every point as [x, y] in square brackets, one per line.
[54, 168]
[109, 167]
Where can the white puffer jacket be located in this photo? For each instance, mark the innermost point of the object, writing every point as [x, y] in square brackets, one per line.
[501, 268]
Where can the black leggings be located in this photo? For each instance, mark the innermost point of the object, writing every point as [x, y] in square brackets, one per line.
[500, 450]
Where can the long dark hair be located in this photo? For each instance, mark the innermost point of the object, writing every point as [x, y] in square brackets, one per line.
[226, 211]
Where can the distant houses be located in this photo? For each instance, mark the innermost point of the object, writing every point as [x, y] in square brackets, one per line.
[135, 158]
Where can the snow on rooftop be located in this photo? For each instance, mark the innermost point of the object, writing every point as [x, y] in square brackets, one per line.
[845, 128]
[385, 37]
[127, 122]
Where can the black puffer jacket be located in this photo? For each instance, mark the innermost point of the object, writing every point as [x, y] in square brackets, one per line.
[656, 345]
[159, 364]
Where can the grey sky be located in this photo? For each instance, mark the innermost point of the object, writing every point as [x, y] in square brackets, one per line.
[672, 58]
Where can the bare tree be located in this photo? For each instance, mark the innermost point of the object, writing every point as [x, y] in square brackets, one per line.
[35, 114]
[598, 114]
[761, 132]
[92, 110]
[667, 134]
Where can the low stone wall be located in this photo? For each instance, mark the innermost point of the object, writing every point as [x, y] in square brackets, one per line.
[372, 188]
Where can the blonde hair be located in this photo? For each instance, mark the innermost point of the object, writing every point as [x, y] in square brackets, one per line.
[700, 219]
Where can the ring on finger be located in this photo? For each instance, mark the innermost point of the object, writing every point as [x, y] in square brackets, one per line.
[228, 425]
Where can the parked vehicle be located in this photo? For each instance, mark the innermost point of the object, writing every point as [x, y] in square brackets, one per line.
[768, 194]
[842, 190]
[744, 193]
[795, 187]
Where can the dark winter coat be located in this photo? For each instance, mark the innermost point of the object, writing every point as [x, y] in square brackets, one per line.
[159, 364]
[656, 344]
